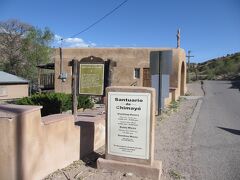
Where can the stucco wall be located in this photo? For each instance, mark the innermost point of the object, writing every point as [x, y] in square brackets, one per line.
[31, 147]
[8, 149]
[13, 91]
[126, 60]
[179, 59]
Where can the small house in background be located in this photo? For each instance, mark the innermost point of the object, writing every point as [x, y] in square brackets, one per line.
[12, 87]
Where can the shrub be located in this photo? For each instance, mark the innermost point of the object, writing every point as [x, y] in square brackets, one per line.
[209, 73]
[54, 103]
[84, 102]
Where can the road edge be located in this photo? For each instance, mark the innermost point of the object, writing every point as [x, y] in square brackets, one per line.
[193, 119]
[196, 110]
[192, 122]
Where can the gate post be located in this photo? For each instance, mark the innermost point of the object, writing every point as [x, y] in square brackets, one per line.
[74, 87]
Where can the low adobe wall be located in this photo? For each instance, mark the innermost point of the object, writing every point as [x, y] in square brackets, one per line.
[31, 147]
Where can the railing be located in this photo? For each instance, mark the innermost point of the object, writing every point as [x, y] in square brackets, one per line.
[47, 81]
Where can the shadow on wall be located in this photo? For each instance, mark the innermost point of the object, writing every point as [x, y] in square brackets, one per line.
[86, 137]
[182, 80]
[18, 142]
[87, 153]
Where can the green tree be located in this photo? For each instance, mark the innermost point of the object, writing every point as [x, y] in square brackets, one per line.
[36, 49]
[22, 47]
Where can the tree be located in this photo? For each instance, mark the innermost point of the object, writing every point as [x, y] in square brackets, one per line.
[22, 47]
[12, 32]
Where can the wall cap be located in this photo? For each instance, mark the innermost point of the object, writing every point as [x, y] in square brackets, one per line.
[12, 110]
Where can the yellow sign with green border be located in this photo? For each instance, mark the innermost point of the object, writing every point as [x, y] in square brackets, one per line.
[91, 79]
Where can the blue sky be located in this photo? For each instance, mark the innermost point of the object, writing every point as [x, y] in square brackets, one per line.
[209, 28]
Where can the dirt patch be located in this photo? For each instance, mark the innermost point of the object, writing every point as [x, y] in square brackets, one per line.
[173, 140]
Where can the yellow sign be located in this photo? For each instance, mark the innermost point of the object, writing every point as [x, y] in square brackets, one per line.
[91, 79]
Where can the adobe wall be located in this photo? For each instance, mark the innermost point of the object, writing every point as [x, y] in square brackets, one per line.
[31, 147]
[13, 91]
[179, 61]
[126, 60]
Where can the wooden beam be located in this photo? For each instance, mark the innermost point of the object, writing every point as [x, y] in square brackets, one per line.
[74, 87]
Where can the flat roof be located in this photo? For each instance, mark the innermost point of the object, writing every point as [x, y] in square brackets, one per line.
[46, 66]
[6, 78]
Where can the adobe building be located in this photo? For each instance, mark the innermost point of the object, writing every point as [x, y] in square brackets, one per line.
[128, 67]
[51, 140]
[12, 87]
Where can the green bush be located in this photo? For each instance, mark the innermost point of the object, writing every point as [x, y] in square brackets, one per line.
[209, 73]
[84, 102]
[54, 103]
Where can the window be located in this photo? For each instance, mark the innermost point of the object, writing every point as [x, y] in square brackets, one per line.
[136, 73]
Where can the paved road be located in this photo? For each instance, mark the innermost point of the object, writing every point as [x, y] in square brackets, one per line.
[215, 149]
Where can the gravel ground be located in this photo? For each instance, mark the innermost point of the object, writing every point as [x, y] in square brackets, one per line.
[86, 170]
[172, 147]
[173, 140]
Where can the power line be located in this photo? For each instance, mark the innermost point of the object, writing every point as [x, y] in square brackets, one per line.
[100, 19]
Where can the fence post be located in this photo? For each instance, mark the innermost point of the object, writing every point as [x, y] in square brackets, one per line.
[74, 87]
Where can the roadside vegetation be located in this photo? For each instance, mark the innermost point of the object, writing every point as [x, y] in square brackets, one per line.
[223, 68]
[175, 175]
[173, 107]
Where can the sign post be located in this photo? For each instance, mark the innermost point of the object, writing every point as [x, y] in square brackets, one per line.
[130, 132]
[87, 78]
[74, 64]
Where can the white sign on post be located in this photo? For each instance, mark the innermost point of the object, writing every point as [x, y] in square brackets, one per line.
[129, 124]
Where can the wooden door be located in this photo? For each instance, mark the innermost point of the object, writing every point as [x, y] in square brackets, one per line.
[146, 77]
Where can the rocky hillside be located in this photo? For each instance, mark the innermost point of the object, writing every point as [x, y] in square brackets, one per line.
[222, 68]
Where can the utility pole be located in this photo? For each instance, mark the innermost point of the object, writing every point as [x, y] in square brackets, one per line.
[188, 67]
[62, 75]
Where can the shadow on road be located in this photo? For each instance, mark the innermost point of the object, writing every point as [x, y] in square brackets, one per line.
[233, 131]
[235, 85]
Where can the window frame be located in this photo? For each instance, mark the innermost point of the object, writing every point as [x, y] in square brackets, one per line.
[137, 73]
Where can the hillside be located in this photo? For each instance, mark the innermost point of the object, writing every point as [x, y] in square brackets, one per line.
[222, 68]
